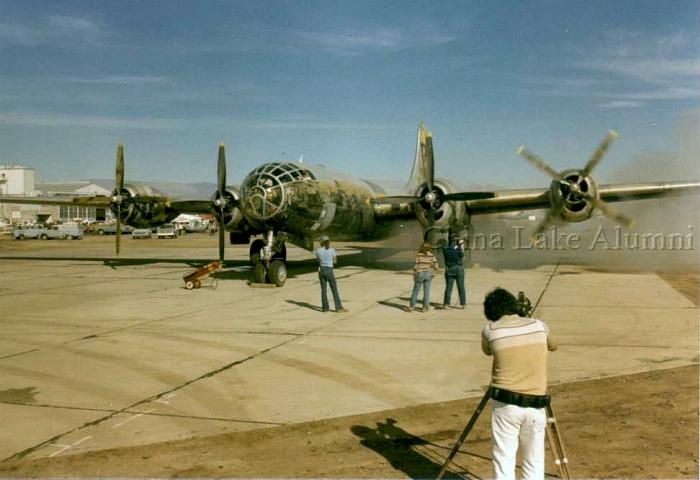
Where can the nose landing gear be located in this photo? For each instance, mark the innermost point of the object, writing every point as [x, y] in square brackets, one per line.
[269, 259]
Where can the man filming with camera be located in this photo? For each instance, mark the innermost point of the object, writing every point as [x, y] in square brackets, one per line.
[519, 345]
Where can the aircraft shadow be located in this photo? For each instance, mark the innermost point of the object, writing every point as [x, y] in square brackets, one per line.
[397, 446]
[118, 262]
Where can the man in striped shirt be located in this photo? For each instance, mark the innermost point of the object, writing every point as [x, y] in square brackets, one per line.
[519, 346]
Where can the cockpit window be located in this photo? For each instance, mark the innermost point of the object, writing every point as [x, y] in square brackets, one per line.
[285, 172]
[262, 191]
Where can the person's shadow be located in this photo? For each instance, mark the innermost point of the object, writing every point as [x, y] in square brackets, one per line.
[396, 445]
[305, 305]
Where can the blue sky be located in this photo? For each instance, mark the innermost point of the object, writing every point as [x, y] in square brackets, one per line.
[345, 84]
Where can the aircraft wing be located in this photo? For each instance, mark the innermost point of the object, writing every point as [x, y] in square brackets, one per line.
[68, 201]
[531, 199]
[191, 206]
[181, 206]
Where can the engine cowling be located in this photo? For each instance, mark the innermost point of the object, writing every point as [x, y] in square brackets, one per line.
[447, 214]
[566, 196]
[143, 206]
[232, 214]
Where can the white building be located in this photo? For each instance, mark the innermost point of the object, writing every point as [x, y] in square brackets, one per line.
[19, 180]
[76, 189]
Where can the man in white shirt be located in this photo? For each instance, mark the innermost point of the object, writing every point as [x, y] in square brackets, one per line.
[326, 258]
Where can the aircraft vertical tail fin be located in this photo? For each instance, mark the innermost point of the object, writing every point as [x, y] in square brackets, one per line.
[423, 165]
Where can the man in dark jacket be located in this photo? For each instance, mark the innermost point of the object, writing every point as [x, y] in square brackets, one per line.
[454, 271]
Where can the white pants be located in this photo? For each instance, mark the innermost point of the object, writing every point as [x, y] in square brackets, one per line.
[510, 423]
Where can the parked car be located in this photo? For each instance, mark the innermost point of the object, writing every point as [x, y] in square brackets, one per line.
[141, 233]
[111, 229]
[166, 231]
[68, 231]
[20, 232]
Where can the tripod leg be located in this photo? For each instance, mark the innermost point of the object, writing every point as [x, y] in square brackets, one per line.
[554, 450]
[559, 443]
[465, 432]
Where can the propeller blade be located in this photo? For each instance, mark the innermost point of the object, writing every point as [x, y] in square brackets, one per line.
[119, 186]
[599, 152]
[221, 238]
[118, 233]
[221, 188]
[542, 226]
[430, 215]
[429, 160]
[464, 196]
[537, 162]
[119, 176]
[610, 212]
[221, 170]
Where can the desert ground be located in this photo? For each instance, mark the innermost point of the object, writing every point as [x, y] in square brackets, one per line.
[110, 368]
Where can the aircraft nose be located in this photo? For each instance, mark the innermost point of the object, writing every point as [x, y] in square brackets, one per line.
[262, 196]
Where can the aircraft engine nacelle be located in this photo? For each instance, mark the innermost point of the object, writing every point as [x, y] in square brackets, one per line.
[143, 206]
[446, 214]
[232, 215]
[567, 200]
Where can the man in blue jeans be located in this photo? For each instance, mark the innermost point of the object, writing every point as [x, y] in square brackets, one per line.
[326, 258]
[454, 271]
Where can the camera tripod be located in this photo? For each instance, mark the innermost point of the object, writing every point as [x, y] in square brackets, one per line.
[551, 432]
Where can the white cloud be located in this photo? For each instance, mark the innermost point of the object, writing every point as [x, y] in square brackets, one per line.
[354, 41]
[671, 93]
[621, 104]
[72, 25]
[11, 33]
[642, 68]
[310, 125]
[87, 121]
[39, 119]
[118, 79]
[51, 30]
[650, 70]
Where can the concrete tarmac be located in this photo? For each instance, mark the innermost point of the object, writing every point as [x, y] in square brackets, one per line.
[100, 352]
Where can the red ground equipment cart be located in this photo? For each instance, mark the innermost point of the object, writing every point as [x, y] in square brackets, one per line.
[194, 279]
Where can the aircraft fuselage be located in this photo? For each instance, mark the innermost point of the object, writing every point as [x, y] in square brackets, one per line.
[290, 197]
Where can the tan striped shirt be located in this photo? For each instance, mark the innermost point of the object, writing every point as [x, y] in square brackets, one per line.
[425, 262]
[519, 347]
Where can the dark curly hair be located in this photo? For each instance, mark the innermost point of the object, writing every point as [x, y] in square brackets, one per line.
[499, 302]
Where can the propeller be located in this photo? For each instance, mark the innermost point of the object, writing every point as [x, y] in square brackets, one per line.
[575, 186]
[117, 198]
[220, 199]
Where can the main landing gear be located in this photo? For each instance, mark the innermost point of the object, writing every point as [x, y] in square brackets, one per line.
[269, 259]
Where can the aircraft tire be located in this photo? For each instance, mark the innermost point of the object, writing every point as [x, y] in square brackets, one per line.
[189, 285]
[278, 273]
[255, 248]
[259, 273]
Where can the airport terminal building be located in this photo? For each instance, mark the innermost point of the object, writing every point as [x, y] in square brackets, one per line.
[19, 180]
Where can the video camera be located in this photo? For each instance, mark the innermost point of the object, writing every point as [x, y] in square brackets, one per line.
[523, 305]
